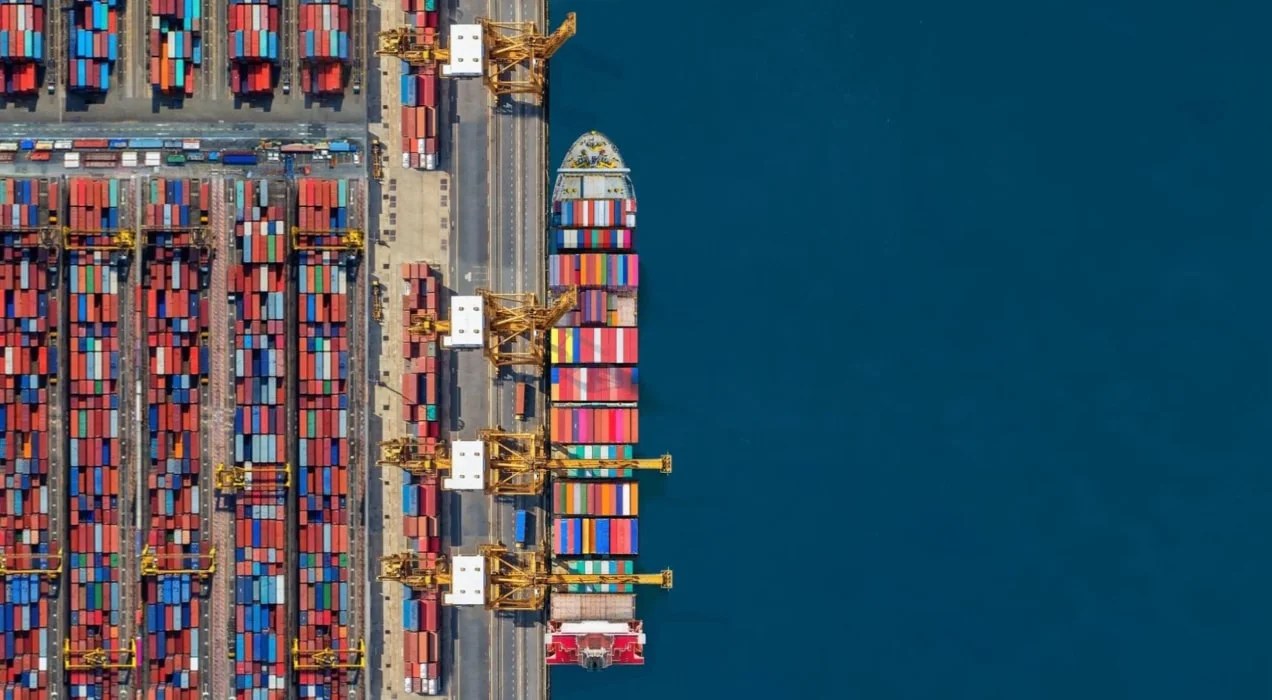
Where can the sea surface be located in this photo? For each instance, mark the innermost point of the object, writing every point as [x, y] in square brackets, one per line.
[956, 318]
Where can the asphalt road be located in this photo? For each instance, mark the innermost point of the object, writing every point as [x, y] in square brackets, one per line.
[498, 169]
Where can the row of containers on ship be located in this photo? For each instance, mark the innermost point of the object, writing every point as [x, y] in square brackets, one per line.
[594, 518]
[421, 652]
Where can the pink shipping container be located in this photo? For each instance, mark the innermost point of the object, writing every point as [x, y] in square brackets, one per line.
[595, 426]
[593, 346]
[595, 384]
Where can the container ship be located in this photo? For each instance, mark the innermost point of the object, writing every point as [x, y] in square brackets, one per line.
[593, 378]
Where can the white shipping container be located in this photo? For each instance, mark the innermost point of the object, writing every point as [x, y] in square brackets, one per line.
[62, 145]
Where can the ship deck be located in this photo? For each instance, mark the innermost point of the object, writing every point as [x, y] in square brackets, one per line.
[593, 169]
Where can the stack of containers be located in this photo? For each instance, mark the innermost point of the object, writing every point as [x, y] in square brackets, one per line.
[95, 448]
[253, 26]
[324, 44]
[258, 283]
[323, 456]
[419, 92]
[28, 357]
[176, 44]
[420, 493]
[21, 44]
[174, 317]
[93, 42]
[593, 381]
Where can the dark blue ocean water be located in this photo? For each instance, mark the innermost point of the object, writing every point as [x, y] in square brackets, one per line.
[956, 319]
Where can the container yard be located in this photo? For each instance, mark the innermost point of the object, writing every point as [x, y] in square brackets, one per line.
[421, 652]
[101, 577]
[253, 45]
[28, 384]
[324, 44]
[258, 288]
[419, 90]
[177, 557]
[325, 335]
[93, 44]
[594, 411]
[175, 45]
[22, 33]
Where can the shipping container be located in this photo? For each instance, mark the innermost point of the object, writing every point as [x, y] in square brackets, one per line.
[611, 498]
[253, 45]
[594, 213]
[29, 359]
[604, 537]
[593, 346]
[92, 44]
[97, 582]
[609, 385]
[175, 43]
[605, 270]
[324, 44]
[322, 295]
[175, 317]
[421, 655]
[262, 582]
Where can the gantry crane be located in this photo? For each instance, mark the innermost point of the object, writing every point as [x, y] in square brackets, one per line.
[510, 317]
[516, 464]
[506, 45]
[154, 564]
[511, 580]
[122, 239]
[377, 159]
[98, 658]
[350, 239]
[47, 565]
[329, 659]
[238, 479]
[507, 319]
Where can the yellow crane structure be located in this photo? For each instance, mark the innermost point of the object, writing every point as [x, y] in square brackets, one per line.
[517, 464]
[329, 659]
[350, 239]
[507, 45]
[514, 317]
[241, 479]
[155, 564]
[122, 239]
[47, 565]
[513, 580]
[99, 658]
[516, 325]
[512, 44]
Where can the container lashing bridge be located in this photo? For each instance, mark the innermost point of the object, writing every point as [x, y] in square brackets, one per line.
[488, 50]
[498, 578]
[499, 462]
[511, 329]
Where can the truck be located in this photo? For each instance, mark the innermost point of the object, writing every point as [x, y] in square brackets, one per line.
[519, 400]
[521, 525]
